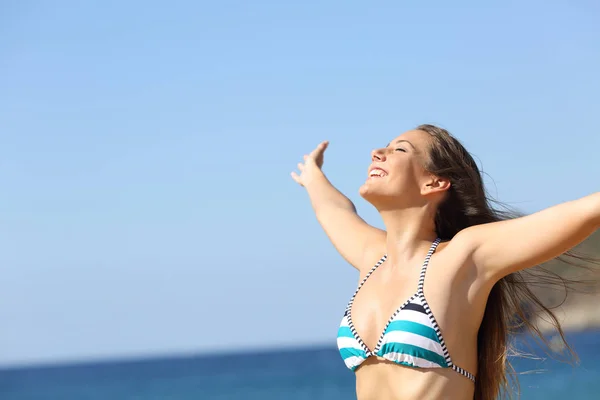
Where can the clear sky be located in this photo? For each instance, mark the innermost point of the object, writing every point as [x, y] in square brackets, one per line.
[145, 152]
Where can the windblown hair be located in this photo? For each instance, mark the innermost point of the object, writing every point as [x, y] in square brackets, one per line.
[511, 300]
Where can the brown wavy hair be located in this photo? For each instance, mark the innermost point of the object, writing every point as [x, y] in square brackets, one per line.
[512, 304]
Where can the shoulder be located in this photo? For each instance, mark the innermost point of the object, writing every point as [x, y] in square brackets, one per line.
[457, 255]
[460, 267]
[374, 249]
[463, 243]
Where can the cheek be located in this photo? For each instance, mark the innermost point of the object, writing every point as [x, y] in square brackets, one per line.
[401, 182]
[407, 178]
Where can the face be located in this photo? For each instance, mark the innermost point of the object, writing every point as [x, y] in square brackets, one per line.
[397, 175]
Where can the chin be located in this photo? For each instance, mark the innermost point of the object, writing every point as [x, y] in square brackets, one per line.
[379, 196]
[368, 192]
[364, 190]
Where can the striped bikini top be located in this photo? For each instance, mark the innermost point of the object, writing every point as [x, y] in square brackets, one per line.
[411, 337]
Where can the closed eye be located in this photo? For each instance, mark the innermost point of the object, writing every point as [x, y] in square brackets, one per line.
[401, 149]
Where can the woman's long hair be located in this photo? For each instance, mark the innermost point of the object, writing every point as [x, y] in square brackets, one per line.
[512, 303]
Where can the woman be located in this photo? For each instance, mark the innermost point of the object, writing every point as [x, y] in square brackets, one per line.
[439, 287]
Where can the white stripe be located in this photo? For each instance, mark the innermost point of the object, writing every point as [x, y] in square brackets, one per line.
[344, 321]
[416, 361]
[414, 316]
[414, 339]
[352, 362]
[348, 342]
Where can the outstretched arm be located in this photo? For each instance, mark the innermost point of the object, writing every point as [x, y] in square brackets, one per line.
[353, 238]
[500, 248]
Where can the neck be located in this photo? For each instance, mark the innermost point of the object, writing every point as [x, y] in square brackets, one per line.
[409, 230]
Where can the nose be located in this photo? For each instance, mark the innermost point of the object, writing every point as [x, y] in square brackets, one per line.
[378, 155]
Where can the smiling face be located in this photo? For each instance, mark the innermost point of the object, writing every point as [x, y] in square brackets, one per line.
[397, 176]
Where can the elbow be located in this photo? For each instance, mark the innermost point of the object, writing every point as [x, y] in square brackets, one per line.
[596, 210]
[330, 207]
[590, 206]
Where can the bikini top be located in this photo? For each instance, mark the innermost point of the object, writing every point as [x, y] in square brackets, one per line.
[411, 337]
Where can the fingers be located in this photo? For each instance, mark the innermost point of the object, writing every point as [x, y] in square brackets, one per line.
[320, 148]
[296, 178]
[315, 154]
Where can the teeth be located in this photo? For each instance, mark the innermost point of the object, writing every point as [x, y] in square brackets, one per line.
[377, 172]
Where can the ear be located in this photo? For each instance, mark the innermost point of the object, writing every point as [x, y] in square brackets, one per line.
[435, 184]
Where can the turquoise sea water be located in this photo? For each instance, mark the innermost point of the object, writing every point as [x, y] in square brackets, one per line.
[315, 374]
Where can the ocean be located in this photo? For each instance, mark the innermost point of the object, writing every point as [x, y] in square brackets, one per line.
[315, 374]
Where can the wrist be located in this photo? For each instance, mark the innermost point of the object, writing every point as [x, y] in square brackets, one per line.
[317, 178]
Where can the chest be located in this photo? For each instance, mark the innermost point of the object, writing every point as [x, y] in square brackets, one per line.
[386, 292]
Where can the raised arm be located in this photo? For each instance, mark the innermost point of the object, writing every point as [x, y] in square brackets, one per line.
[356, 241]
[501, 248]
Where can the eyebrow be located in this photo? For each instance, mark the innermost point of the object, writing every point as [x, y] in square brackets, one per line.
[403, 141]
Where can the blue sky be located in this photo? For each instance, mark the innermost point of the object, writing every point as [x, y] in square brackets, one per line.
[145, 152]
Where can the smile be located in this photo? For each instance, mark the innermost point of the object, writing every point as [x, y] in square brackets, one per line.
[377, 173]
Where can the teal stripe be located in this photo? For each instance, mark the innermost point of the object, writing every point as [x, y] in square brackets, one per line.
[413, 327]
[352, 352]
[344, 331]
[413, 351]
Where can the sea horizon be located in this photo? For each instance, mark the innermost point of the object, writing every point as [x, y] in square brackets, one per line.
[166, 356]
[133, 358]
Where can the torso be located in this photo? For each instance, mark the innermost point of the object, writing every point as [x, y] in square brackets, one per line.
[450, 291]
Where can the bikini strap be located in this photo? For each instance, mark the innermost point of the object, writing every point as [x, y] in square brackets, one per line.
[425, 264]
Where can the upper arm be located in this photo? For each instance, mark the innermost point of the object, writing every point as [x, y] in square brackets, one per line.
[355, 240]
[504, 247]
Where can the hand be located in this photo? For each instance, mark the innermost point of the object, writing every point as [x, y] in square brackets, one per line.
[312, 163]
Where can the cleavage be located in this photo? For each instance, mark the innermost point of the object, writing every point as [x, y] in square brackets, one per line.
[378, 299]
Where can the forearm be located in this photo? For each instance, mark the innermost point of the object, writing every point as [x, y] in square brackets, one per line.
[324, 195]
[350, 234]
